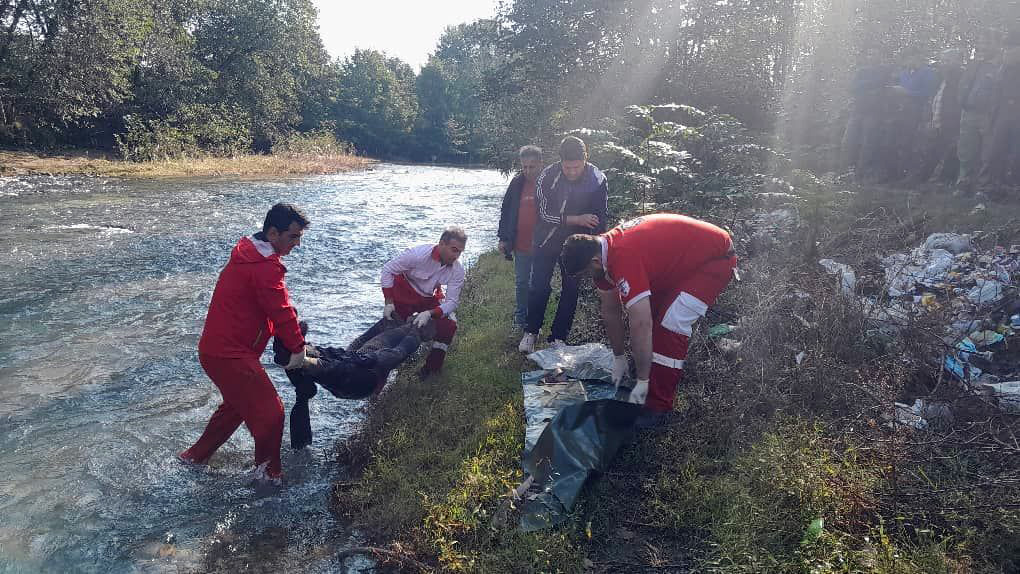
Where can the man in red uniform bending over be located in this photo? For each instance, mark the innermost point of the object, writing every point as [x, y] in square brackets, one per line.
[666, 269]
[412, 284]
[249, 305]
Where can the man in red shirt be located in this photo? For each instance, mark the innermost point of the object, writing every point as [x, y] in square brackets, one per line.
[666, 269]
[517, 225]
[249, 305]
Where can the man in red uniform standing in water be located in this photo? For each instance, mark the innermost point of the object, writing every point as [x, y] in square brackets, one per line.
[249, 305]
[666, 269]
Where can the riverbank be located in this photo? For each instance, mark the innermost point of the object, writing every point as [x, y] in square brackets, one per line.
[103, 164]
[782, 458]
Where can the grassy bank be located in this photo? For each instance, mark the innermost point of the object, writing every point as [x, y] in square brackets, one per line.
[774, 465]
[97, 163]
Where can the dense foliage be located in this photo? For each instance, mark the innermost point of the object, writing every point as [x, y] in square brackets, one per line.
[158, 79]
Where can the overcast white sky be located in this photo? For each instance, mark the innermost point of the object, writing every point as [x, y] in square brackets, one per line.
[407, 29]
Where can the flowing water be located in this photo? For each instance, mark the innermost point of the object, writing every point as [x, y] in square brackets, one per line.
[102, 301]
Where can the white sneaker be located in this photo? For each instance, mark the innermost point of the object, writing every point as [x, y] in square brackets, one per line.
[557, 343]
[527, 345]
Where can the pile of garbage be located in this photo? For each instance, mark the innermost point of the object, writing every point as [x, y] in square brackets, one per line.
[975, 289]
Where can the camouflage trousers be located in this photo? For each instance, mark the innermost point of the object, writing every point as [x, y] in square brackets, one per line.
[975, 128]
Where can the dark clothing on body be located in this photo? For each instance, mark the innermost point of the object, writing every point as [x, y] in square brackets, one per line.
[353, 373]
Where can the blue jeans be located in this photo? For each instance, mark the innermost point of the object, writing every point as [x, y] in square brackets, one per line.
[522, 277]
[543, 266]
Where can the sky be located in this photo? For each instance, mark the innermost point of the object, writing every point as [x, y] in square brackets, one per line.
[407, 29]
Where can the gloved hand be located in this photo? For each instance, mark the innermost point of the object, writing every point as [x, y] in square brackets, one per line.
[297, 360]
[389, 312]
[422, 319]
[620, 367]
[639, 394]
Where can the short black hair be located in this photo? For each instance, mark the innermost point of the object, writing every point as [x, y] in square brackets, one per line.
[578, 251]
[532, 151]
[572, 148]
[281, 215]
[453, 232]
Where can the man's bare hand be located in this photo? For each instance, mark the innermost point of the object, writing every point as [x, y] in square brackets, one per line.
[588, 220]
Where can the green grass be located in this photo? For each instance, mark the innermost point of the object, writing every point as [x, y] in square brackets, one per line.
[445, 453]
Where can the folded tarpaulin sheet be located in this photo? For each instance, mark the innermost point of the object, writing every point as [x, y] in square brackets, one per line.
[581, 440]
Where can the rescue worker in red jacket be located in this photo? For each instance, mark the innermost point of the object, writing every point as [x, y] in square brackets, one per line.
[412, 285]
[666, 269]
[249, 305]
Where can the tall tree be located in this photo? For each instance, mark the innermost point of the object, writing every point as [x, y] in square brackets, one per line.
[375, 107]
[64, 61]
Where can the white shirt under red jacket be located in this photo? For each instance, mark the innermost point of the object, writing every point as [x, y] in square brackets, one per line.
[423, 270]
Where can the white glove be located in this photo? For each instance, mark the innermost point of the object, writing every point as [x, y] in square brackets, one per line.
[388, 311]
[422, 319]
[620, 367]
[639, 394]
[297, 360]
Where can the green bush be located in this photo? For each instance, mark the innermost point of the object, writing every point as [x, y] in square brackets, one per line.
[321, 141]
[193, 130]
[670, 153]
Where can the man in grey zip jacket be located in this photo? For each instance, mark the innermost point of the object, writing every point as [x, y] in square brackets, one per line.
[572, 197]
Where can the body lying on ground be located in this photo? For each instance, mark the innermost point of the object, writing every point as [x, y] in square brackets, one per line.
[357, 372]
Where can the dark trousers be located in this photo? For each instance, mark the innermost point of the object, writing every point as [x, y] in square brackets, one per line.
[543, 265]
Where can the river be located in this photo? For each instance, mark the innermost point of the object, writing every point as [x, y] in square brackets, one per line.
[105, 289]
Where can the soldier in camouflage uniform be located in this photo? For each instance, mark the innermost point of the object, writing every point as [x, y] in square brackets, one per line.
[1004, 132]
[978, 95]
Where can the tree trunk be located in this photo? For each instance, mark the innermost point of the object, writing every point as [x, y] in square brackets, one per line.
[9, 36]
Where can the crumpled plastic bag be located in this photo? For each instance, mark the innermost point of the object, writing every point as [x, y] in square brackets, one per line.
[846, 278]
[924, 415]
[951, 242]
[904, 272]
[593, 361]
[1007, 394]
[986, 291]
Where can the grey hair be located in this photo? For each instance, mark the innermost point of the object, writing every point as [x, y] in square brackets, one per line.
[530, 151]
[453, 232]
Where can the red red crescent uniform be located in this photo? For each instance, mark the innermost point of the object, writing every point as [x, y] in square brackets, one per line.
[249, 305]
[413, 280]
[681, 265]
